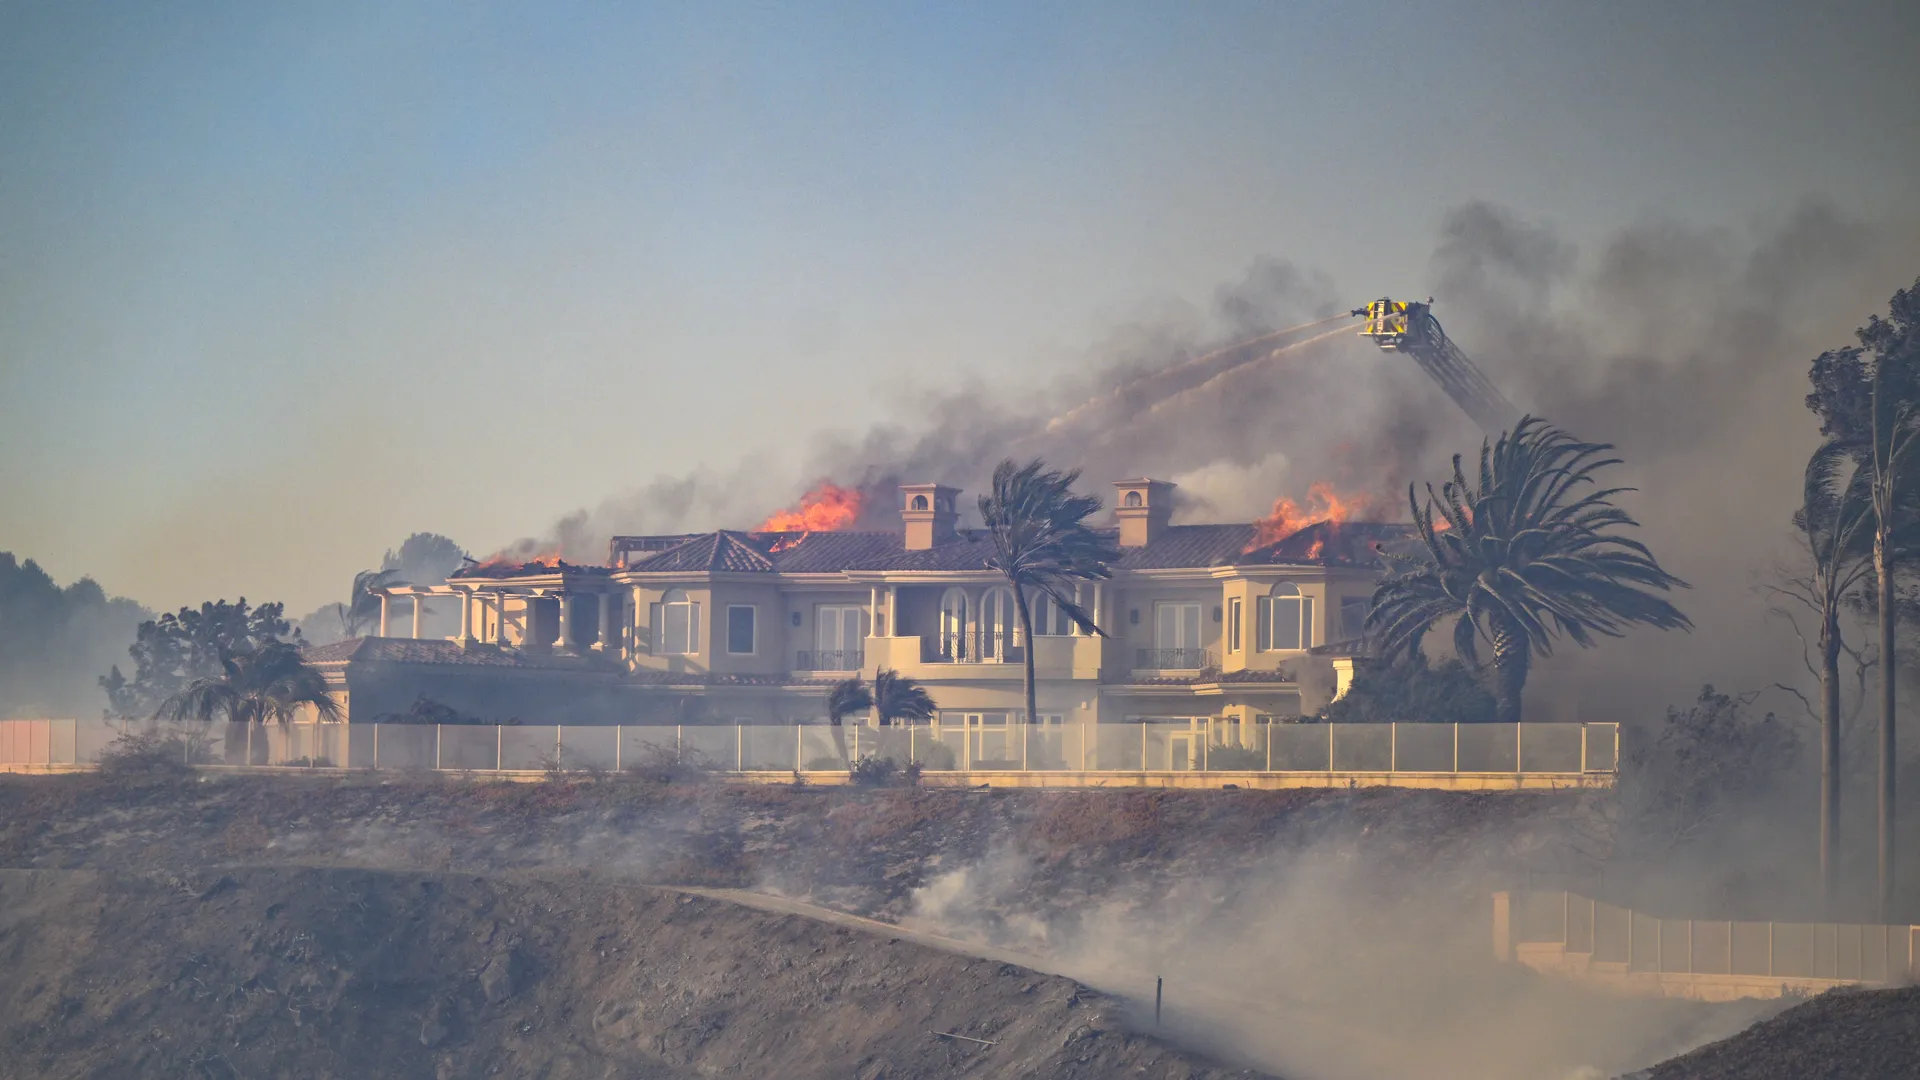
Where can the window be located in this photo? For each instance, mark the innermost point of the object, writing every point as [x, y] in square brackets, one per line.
[953, 625]
[839, 637]
[1233, 625]
[1286, 620]
[1048, 619]
[919, 502]
[676, 625]
[1353, 617]
[999, 623]
[1176, 638]
[1132, 499]
[740, 627]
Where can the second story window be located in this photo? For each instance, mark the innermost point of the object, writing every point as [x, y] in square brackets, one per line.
[1286, 620]
[1233, 625]
[839, 637]
[676, 625]
[1353, 617]
[1048, 619]
[740, 627]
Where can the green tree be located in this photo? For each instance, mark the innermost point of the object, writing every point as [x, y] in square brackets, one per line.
[54, 640]
[1041, 542]
[1519, 558]
[1868, 400]
[179, 647]
[899, 698]
[1835, 523]
[424, 559]
[361, 612]
[847, 697]
[268, 683]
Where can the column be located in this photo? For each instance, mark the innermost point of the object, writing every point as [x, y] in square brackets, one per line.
[500, 618]
[1073, 628]
[873, 612]
[563, 608]
[383, 614]
[893, 611]
[466, 617]
[419, 602]
[605, 624]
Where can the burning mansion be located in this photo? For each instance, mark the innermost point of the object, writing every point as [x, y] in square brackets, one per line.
[1238, 623]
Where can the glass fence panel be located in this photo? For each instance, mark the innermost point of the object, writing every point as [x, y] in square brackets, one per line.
[1712, 947]
[1540, 916]
[1676, 945]
[1793, 950]
[1423, 747]
[1846, 952]
[888, 744]
[1168, 747]
[1603, 746]
[1052, 747]
[360, 740]
[1550, 747]
[1117, 748]
[528, 747]
[942, 748]
[1238, 748]
[1488, 748]
[61, 742]
[714, 746]
[1873, 958]
[404, 747]
[769, 747]
[1362, 747]
[1301, 747]
[473, 746]
[1645, 955]
[587, 747]
[993, 747]
[329, 746]
[817, 751]
[1611, 925]
[93, 737]
[1751, 948]
[649, 747]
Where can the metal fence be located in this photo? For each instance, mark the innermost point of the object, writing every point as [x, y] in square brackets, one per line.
[1193, 746]
[1634, 942]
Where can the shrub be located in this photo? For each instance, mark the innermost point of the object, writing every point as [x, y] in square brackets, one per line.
[871, 771]
[937, 756]
[670, 765]
[156, 752]
[1225, 757]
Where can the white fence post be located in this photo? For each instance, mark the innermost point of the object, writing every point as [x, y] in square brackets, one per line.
[499, 747]
[559, 749]
[1456, 747]
[436, 748]
[1393, 747]
[376, 748]
[1516, 750]
[618, 731]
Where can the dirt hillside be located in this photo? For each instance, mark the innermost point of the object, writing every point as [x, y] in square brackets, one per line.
[338, 973]
[1843, 1035]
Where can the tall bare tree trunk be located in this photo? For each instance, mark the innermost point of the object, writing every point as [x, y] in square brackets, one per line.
[1511, 660]
[1829, 756]
[1026, 650]
[1888, 693]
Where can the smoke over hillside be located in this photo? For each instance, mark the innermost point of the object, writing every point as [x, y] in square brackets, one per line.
[1686, 347]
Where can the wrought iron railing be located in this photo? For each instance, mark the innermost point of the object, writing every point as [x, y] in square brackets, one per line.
[1172, 659]
[831, 660]
[972, 649]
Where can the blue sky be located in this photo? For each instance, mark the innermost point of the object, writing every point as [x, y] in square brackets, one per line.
[282, 283]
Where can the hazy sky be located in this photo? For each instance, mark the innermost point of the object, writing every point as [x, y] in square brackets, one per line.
[281, 283]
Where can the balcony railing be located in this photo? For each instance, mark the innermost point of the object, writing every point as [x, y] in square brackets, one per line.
[972, 649]
[1172, 659]
[831, 660]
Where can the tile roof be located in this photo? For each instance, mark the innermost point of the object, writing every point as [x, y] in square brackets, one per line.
[441, 652]
[1173, 547]
[494, 571]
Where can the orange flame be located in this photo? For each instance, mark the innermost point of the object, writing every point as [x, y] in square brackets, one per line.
[1289, 517]
[788, 541]
[827, 508]
[509, 560]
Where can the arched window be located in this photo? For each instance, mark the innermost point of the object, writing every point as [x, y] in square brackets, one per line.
[953, 625]
[919, 502]
[1286, 620]
[999, 623]
[1133, 499]
[1048, 619]
[676, 625]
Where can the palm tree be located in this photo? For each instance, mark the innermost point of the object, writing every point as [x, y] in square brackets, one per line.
[847, 697]
[896, 697]
[363, 603]
[272, 682]
[1520, 558]
[1041, 542]
[1836, 523]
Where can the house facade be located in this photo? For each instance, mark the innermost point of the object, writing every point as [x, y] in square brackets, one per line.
[1200, 622]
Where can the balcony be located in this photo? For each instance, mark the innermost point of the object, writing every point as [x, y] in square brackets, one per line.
[830, 660]
[972, 649]
[1172, 659]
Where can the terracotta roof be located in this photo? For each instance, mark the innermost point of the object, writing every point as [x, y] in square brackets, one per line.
[1173, 547]
[390, 650]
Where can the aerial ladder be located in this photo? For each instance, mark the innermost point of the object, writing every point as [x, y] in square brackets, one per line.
[1409, 327]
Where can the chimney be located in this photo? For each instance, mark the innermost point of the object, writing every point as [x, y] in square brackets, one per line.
[928, 512]
[1142, 507]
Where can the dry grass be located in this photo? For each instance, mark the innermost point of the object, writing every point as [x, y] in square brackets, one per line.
[1065, 820]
